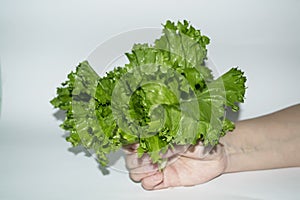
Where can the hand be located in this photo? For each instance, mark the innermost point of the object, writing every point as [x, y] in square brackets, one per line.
[188, 168]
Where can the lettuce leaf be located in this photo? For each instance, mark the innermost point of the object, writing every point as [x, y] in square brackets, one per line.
[164, 96]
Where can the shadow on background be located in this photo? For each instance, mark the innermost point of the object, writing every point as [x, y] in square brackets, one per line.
[233, 116]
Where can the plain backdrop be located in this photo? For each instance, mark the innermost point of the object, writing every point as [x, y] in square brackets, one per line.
[41, 41]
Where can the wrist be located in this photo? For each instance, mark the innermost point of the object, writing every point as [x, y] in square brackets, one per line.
[228, 155]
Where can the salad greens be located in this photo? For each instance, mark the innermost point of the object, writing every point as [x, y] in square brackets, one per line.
[164, 96]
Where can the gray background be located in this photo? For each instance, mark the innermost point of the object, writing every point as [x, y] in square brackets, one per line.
[41, 41]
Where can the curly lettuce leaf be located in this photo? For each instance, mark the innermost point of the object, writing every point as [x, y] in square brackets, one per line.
[164, 96]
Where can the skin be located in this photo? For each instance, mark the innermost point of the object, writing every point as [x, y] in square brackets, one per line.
[265, 142]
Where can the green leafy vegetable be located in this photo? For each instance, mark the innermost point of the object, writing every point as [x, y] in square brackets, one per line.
[164, 96]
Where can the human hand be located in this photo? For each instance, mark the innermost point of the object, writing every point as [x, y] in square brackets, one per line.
[184, 168]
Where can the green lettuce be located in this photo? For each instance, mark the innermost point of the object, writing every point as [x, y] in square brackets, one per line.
[164, 96]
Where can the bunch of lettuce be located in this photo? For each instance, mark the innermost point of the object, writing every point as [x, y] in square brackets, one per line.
[164, 96]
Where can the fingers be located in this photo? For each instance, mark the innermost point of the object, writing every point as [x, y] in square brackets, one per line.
[133, 161]
[139, 176]
[179, 170]
[166, 178]
[144, 171]
[139, 168]
[150, 182]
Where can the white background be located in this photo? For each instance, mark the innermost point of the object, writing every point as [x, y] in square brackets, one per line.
[41, 41]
